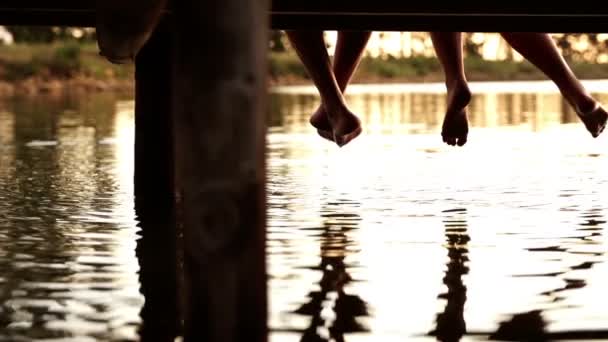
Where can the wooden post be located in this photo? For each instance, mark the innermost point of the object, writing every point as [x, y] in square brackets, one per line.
[154, 190]
[219, 129]
[153, 135]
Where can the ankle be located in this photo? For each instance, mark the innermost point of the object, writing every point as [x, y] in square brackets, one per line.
[335, 110]
[458, 82]
[582, 104]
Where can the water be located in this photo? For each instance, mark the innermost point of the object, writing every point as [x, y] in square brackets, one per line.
[67, 227]
[394, 237]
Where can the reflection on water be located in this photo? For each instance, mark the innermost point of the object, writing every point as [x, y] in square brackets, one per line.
[385, 109]
[156, 252]
[394, 237]
[67, 229]
[451, 325]
[333, 311]
[502, 238]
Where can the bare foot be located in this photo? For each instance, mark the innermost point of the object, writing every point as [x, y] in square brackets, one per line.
[455, 127]
[346, 126]
[340, 130]
[320, 121]
[594, 119]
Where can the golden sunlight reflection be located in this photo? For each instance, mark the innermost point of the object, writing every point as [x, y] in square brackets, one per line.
[124, 136]
[428, 241]
[7, 137]
[394, 237]
[68, 228]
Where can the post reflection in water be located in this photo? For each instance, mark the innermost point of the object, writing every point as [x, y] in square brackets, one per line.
[333, 311]
[156, 253]
[451, 325]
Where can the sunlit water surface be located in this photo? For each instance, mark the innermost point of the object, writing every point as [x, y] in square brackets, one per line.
[394, 237]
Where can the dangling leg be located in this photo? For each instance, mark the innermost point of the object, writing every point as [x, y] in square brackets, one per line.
[310, 47]
[448, 46]
[349, 50]
[541, 51]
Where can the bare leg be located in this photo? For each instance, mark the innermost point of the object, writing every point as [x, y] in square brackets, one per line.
[311, 49]
[541, 51]
[448, 47]
[349, 50]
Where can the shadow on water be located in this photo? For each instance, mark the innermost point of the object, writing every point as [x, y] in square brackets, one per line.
[526, 326]
[591, 228]
[334, 312]
[450, 324]
[532, 325]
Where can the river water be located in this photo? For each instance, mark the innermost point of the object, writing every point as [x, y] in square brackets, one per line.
[394, 237]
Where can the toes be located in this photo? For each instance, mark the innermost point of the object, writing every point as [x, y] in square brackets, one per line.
[595, 121]
[454, 141]
[601, 128]
[448, 139]
[462, 140]
[342, 140]
[597, 131]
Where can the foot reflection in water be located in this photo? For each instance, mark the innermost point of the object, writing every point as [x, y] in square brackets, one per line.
[451, 325]
[334, 312]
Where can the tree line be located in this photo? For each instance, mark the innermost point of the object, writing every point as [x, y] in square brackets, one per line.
[578, 47]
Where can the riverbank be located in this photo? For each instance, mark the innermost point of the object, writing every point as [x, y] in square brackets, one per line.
[76, 67]
[30, 69]
[286, 69]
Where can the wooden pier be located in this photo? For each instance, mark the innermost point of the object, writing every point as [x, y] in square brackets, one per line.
[379, 15]
[199, 113]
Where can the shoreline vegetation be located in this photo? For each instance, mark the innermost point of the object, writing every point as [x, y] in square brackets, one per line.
[286, 69]
[59, 67]
[69, 66]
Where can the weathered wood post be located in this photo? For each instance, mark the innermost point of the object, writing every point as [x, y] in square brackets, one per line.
[153, 134]
[219, 128]
[154, 188]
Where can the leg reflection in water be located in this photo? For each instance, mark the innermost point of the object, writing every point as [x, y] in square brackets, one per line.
[451, 325]
[334, 312]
